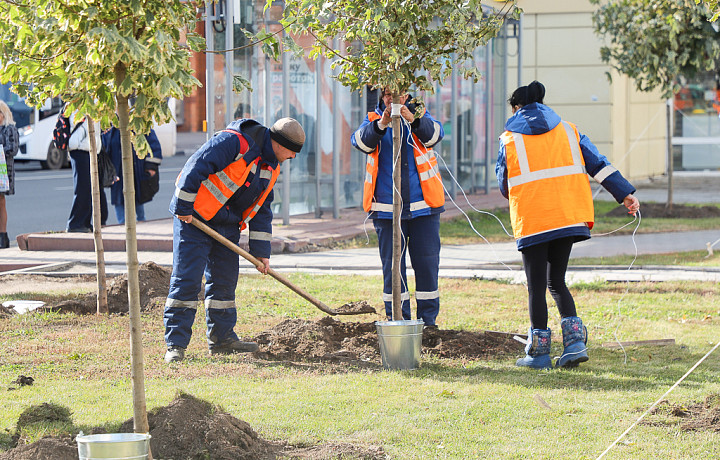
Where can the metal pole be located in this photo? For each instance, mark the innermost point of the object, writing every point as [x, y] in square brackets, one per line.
[229, 61]
[519, 51]
[287, 166]
[209, 72]
[473, 136]
[488, 114]
[454, 128]
[337, 143]
[318, 153]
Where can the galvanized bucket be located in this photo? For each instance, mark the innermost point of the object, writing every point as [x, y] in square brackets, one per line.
[115, 446]
[400, 343]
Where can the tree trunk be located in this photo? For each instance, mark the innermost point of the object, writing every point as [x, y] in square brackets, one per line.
[669, 149]
[397, 211]
[102, 305]
[140, 420]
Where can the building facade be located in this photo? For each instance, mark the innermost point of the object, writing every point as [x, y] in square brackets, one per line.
[328, 173]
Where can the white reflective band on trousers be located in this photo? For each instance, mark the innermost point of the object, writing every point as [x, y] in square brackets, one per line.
[526, 175]
[389, 297]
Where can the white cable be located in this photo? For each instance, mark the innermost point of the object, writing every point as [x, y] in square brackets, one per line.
[658, 401]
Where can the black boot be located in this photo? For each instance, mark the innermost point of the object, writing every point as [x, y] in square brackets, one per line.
[4, 241]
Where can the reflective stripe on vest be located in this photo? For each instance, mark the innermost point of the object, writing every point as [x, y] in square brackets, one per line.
[578, 166]
[266, 172]
[549, 188]
[428, 172]
[218, 188]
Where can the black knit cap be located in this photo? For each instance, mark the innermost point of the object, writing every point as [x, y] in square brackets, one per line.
[288, 133]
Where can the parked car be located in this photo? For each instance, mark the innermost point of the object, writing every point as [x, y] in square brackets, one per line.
[36, 128]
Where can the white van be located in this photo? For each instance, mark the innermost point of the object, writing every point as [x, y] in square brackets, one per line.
[36, 128]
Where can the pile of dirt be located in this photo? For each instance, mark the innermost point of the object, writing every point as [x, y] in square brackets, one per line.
[697, 416]
[357, 343]
[466, 344]
[659, 210]
[153, 281]
[191, 428]
[55, 448]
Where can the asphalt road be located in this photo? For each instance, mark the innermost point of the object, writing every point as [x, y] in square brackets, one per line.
[43, 198]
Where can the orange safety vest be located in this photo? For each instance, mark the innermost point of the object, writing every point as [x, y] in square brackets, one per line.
[548, 188]
[427, 166]
[217, 189]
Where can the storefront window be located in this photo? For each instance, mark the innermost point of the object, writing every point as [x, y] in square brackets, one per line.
[696, 133]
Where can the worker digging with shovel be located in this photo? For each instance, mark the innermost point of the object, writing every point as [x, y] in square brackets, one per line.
[228, 184]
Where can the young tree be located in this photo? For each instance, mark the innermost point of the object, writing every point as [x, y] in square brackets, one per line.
[397, 45]
[96, 55]
[655, 42]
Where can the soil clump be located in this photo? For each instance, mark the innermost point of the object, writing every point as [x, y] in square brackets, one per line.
[50, 447]
[357, 343]
[153, 281]
[697, 416]
[678, 211]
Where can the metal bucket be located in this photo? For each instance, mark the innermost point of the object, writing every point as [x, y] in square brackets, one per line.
[400, 343]
[116, 446]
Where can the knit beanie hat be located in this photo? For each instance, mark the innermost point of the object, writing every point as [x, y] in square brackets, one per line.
[288, 133]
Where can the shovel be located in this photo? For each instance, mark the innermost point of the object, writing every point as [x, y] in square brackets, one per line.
[353, 308]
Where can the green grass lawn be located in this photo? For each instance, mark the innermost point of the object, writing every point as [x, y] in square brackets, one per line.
[447, 409]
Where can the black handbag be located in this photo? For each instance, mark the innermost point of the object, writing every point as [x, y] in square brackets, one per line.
[149, 186]
[106, 168]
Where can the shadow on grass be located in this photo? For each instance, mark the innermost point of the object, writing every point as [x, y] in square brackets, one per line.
[646, 369]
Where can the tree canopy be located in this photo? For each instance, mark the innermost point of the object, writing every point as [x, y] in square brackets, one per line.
[397, 44]
[657, 41]
[73, 49]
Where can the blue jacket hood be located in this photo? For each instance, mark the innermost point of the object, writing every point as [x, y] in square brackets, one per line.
[533, 118]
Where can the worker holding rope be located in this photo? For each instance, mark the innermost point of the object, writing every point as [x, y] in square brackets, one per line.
[542, 169]
[422, 198]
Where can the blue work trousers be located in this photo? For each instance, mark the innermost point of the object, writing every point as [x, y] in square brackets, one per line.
[195, 253]
[422, 236]
[81, 211]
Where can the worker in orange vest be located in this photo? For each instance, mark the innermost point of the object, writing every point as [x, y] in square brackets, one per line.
[228, 183]
[422, 196]
[542, 168]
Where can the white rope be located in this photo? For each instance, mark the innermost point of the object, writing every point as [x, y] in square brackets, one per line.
[658, 402]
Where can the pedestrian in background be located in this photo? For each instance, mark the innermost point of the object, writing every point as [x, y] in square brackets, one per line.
[422, 194]
[80, 220]
[542, 167]
[227, 183]
[9, 138]
[145, 172]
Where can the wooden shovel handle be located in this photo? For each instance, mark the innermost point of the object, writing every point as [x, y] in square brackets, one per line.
[252, 259]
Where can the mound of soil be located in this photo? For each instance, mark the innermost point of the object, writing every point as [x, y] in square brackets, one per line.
[697, 416]
[678, 210]
[55, 448]
[153, 281]
[190, 428]
[357, 343]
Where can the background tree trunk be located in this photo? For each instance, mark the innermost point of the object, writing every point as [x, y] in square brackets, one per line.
[102, 305]
[397, 211]
[140, 420]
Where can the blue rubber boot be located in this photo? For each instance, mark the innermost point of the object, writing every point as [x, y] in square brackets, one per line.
[537, 350]
[574, 340]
